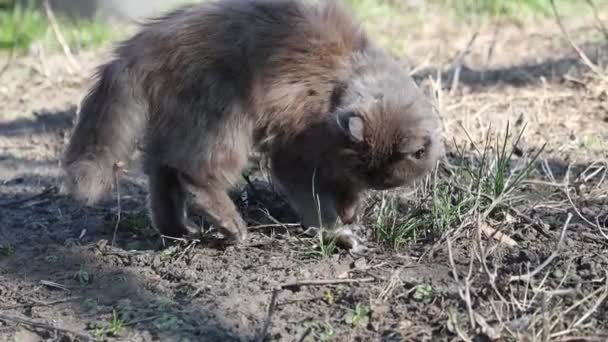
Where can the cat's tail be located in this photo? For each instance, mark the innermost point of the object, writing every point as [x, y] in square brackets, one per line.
[112, 117]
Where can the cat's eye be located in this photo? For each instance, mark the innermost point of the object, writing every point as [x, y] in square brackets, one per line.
[420, 153]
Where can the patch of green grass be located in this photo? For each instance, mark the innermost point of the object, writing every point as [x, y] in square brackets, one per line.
[116, 324]
[394, 229]
[591, 141]
[23, 26]
[366, 9]
[327, 242]
[449, 204]
[423, 292]
[91, 306]
[515, 9]
[113, 329]
[167, 321]
[493, 176]
[83, 277]
[322, 331]
[359, 317]
[139, 224]
[387, 22]
[325, 245]
[328, 297]
[84, 34]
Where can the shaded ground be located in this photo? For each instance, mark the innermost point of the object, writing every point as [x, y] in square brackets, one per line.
[68, 275]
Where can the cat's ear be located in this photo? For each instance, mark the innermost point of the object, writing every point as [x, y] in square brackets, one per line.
[352, 125]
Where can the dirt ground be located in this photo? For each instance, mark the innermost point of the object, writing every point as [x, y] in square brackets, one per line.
[73, 273]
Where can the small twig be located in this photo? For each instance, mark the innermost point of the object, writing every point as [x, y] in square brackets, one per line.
[116, 170]
[492, 45]
[463, 290]
[54, 285]
[583, 300]
[326, 282]
[459, 62]
[566, 190]
[66, 49]
[36, 303]
[268, 320]
[44, 193]
[578, 50]
[545, 318]
[528, 276]
[274, 225]
[580, 215]
[276, 221]
[482, 258]
[451, 259]
[186, 250]
[466, 294]
[36, 324]
[141, 320]
[452, 318]
[597, 304]
[305, 334]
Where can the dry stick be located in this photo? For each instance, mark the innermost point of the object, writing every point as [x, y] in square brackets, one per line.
[582, 301]
[44, 193]
[530, 275]
[36, 324]
[545, 330]
[305, 334]
[567, 192]
[66, 49]
[572, 307]
[54, 285]
[578, 50]
[457, 328]
[482, 256]
[118, 215]
[326, 282]
[268, 320]
[604, 168]
[274, 225]
[41, 304]
[579, 214]
[597, 304]
[459, 62]
[466, 294]
[186, 250]
[141, 320]
[589, 312]
[492, 45]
